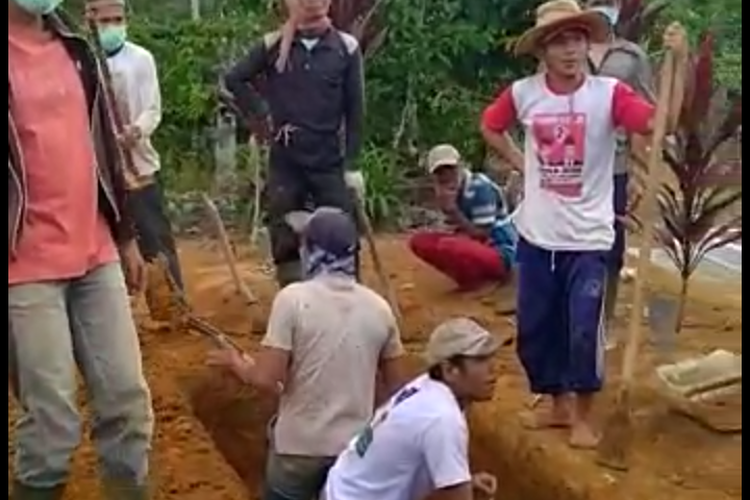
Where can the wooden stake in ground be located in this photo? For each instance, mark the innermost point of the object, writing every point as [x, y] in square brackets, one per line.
[615, 445]
[385, 281]
[257, 160]
[226, 250]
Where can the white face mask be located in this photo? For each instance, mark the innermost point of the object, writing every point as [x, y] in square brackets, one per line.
[610, 12]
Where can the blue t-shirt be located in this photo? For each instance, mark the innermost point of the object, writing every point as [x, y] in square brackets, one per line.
[483, 203]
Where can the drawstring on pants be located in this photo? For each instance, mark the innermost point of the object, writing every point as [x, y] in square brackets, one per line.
[284, 134]
[553, 260]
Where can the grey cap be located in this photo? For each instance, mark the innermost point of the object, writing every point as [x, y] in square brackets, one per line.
[330, 228]
[459, 337]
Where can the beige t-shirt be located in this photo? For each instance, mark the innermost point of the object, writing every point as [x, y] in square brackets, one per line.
[337, 331]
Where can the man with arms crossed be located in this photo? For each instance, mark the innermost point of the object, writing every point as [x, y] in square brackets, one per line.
[67, 298]
[566, 222]
[328, 337]
[136, 85]
[417, 444]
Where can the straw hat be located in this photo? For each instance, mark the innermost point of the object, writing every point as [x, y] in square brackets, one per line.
[556, 15]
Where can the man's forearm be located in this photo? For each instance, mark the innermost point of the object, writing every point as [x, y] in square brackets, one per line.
[238, 82]
[504, 145]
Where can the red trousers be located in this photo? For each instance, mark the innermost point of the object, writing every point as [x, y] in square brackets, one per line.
[468, 262]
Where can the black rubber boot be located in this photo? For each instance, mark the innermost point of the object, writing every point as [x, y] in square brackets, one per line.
[288, 273]
[23, 492]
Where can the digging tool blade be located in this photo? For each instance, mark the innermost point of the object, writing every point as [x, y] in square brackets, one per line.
[662, 322]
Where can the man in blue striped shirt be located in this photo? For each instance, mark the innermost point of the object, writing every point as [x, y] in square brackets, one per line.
[481, 248]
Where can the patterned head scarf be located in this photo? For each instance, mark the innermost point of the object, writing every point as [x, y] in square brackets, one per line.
[329, 241]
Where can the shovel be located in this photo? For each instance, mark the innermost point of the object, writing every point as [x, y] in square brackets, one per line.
[614, 447]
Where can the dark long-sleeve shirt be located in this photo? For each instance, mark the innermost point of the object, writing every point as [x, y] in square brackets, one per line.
[321, 90]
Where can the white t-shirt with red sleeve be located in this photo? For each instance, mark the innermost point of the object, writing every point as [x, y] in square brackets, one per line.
[569, 152]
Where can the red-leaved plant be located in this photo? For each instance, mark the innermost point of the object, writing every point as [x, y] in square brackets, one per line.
[696, 210]
[360, 18]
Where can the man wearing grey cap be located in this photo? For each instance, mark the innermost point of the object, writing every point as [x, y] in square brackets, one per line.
[417, 443]
[481, 248]
[328, 339]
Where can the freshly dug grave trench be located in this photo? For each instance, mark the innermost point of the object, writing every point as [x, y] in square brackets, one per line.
[236, 418]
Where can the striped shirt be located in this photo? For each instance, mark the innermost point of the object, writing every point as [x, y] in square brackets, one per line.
[483, 203]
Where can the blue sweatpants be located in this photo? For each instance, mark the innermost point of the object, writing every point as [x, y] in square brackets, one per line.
[559, 312]
[616, 257]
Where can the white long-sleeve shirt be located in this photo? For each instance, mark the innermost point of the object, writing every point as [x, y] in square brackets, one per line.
[136, 87]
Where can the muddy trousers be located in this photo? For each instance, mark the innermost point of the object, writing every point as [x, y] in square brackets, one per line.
[559, 311]
[153, 227]
[292, 186]
[54, 328]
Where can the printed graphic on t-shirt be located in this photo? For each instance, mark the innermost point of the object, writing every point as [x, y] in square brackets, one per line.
[560, 149]
[364, 439]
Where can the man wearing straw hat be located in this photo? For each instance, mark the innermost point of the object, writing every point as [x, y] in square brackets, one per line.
[566, 221]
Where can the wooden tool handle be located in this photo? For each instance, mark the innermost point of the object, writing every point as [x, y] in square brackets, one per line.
[649, 217]
[385, 281]
[226, 250]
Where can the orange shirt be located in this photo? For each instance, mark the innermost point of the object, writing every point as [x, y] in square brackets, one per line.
[64, 233]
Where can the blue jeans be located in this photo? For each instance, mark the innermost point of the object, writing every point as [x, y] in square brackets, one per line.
[55, 327]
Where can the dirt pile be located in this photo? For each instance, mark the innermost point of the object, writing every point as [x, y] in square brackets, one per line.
[210, 434]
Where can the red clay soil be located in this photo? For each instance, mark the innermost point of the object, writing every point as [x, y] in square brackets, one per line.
[674, 457]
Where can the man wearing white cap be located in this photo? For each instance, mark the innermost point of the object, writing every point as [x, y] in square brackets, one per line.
[566, 222]
[136, 86]
[482, 247]
[328, 338]
[418, 442]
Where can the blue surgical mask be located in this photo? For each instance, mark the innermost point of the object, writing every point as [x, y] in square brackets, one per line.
[611, 13]
[112, 37]
[38, 7]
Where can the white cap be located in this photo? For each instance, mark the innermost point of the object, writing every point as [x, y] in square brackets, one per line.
[442, 155]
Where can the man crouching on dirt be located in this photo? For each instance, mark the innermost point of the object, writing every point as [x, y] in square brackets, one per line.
[482, 248]
[566, 219]
[314, 82]
[136, 86]
[417, 444]
[67, 298]
[328, 337]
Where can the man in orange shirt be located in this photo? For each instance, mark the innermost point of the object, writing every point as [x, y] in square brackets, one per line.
[68, 302]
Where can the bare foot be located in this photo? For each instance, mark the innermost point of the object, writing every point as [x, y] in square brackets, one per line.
[544, 419]
[583, 437]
